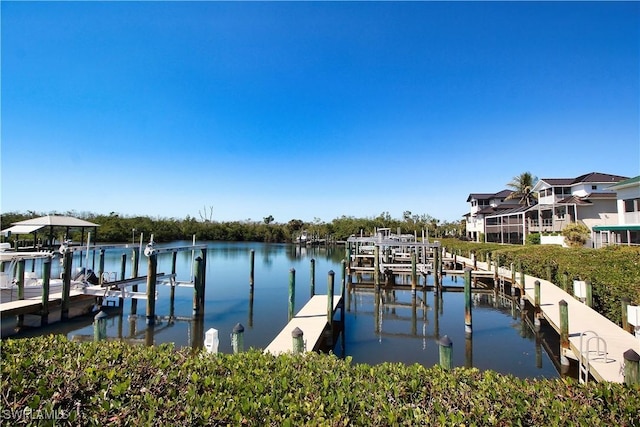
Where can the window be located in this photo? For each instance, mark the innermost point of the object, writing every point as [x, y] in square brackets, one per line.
[594, 187]
[632, 205]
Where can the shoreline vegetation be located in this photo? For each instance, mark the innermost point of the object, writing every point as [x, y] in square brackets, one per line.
[114, 383]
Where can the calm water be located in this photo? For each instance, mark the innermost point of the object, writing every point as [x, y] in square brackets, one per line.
[399, 329]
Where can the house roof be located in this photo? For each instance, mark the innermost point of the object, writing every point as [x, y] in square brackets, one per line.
[626, 183]
[488, 196]
[500, 208]
[588, 177]
[574, 200]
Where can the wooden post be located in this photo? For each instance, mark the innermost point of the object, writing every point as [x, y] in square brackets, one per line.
[151, 288]
[100, 326]
[625, 303]
[237, 338]
[172, 290]
[46, 278]
[589, 298]
[513, 279]
[330, 282]
[203, 278]
[467, 300]
[631, 368]
[376, 266]
[197, 287]
[536, 314]
[522, 280]
[343, 280]
[564, 332]
[66, 284]
[134, 274]
[436, 263]
[20, 278]
[298, 340]
[313, 277]
[123, 266]
[488, 260]
[252, 263]
[251, 306]
[445, 352]
[349, 257]
[468, 351]
[565, 281]
[292, 292]
[414, 273]
[101, 267]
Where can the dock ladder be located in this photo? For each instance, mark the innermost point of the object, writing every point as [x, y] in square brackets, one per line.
[584, 361]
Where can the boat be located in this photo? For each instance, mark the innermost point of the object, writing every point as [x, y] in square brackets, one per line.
[32, 283]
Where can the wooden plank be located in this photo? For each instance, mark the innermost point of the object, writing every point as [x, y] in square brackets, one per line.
[311, 320]
[33, 305]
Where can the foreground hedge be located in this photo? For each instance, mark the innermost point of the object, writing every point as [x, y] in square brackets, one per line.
[614, 271]
[117, 384]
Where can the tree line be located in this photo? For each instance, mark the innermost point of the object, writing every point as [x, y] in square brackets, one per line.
[120, 228]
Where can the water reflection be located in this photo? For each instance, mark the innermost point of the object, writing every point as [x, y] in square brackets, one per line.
[384, 324]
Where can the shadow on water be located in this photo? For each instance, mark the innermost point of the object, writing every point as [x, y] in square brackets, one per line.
[392, 325]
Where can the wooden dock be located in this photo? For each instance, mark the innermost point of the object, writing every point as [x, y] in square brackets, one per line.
[34, 305]
[584, 323]
[311, 320]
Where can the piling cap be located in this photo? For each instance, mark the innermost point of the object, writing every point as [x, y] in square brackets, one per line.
[101, 315]
[445, 341]
[297, 333]
[238, 328]
[631, 356]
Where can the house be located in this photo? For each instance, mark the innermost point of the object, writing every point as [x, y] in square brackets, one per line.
[627, 229]
[481, 205]
[587, 199]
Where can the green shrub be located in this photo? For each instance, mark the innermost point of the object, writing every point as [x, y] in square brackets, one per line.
[113, 383]
[533, 239]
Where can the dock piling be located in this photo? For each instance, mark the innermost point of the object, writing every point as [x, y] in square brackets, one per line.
[292, 292]
[467, 300]
[445, 352]
[197, 286]
[625, 303]
[564, 332]
[536, 314]
[152, 266]
[46, 278]
[298, 340]
[20, 277]
[631, 368]
[134, 273]
[66, 284]
[312, 291]
[330, 283]
[252, 263]
[237, 338]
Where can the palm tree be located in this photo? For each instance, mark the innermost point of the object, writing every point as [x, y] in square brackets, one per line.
[522, 186]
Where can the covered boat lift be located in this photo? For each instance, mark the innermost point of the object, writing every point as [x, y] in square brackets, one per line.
[33, 225]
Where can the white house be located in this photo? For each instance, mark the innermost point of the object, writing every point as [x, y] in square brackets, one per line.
[588, 199]
[481, 205]
[627, 229]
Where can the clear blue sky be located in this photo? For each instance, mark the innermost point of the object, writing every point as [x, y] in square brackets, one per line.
[309, 110]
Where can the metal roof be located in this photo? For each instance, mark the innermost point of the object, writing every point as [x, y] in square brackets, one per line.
[22, 229]
[57, 221]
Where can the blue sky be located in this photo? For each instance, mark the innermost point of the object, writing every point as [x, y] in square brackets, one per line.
[309, 109]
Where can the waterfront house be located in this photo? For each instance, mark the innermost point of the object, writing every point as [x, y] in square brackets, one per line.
[481, 205]
[627, 229]
[587, 199]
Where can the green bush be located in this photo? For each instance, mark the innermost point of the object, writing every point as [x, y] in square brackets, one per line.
[113, 383]
[533, 239]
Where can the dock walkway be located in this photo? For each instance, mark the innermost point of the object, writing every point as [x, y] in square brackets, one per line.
[34, 305]
[311, 319]
[584, 323]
